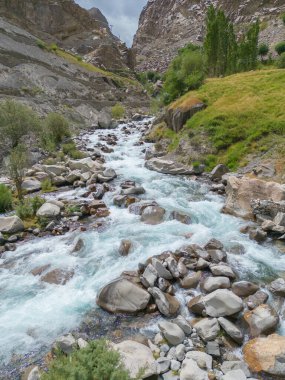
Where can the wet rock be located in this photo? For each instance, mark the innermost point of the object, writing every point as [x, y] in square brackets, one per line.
[66, 344]
[207, 328]
[166, 304]
[280, 219]
[136, 358]
[167, 167]
[218, 172]
[78, 245]
[161, 270]
[217, 255]
[261, 320]
[125, 247]
[258, 235]
[221, 303]
[214, 244]
[196, 305]
[163, 284]
[57, 276]
[182, 218]
[40, 270]
[277, 287]
[171, 332]
[191, 371]
[48, 210]
[149, 276]
[134, 191]
[137, 208]
[85, 165]
[231, 329]
[223, 270]
[191, 281]
[214, 283]
[153, 215]
[256, 299]
[99, 192]
[122, 296]
[11, 224]
[266, 355]
[244, 288]
[172, 266]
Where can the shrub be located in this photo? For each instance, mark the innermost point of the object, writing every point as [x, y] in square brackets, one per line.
[41, 44]
[281, 61]
[186, 73]
[16, 165]
[16, 121]
[5, 198]
[97, 362]
[47, 185]
[280, 48]
[263, 50]
[56, 128]
[53, 47]
[29, 207]
[71, 150]
[118, 111]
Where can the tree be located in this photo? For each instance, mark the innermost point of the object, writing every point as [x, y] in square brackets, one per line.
[280, 48]
[248, 49]
[17, 163]
[16, 121]
[263, 50]
[56, 129]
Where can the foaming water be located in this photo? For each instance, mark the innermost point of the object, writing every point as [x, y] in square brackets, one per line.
[33, 313]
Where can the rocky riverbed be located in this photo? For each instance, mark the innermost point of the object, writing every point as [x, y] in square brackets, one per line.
[205, 284]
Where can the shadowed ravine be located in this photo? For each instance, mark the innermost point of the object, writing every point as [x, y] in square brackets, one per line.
[33, 313]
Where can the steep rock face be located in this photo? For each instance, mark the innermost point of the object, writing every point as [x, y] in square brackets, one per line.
[167, 25]
[71, 27]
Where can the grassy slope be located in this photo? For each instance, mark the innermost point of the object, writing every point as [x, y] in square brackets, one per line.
[245, 117]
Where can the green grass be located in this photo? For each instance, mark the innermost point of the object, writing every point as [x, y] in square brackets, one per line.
[245, 116]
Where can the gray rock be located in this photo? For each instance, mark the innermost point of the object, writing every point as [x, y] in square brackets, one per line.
[172, 333]
[217, 255]
[213, 349]
[161, 270]
[153, 215]
[183, 324]
[175, 365]
[169, 376]
[231, 329]
[163, 365]
[11, 224]
[244, 288]
[82, 343]
[180, 352]
[125, 247]
[191, 371]
[48, 210]
[222, 270]
[277, 287]
[256, 299]
[191, 281]
[2, 239]
[262, 320]
[30, 185]
[149, 276]
[172, 266]
[123, 296]
[66, 344]
[214, 283]
[208, 328]
[280, 219]
[221, 303]
[167, 167]
[218, 172]
[134, 191]
[104, 120]
[203, 360]
[233, 365]
[34, 374]
[182, 218]
[166, 304]
[258, 235]
[237, 374]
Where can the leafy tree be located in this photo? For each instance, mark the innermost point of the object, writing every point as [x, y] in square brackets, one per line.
[248, 49]
[95, 362]
[263, 50]
[16, 121]
[56, 129]
[17, 163]
[5, 198]
[186, 72]
[280, 48]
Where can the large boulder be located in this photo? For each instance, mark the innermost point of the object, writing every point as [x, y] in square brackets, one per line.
[30, 185]
[266, 355]
[262, 320]
[122, 296]
[208, 328]
[244, 288]
[214, 283]
[56, 170]
[153, 215]
[241, 191]
[166, 304]
[11, 224]
[105, 120]
[48, 210]
[231, 329]
[85, 165]
[218, 172]
[277, 287]
[167, 166]
[137, 358]
[191, 371]
[171, 332]
[221, 303]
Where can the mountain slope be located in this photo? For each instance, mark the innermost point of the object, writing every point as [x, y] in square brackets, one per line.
[71, 27]
[167, 25]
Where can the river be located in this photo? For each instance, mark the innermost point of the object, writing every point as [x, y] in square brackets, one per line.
[33, 313]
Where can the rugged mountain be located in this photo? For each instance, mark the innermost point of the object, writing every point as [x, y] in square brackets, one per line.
[167, 25]
[57, 81]
[71, 27]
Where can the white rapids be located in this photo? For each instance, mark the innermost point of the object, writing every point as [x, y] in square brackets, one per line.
[33, 313]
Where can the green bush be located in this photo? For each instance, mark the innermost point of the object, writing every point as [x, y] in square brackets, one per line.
[263, 49]
[5, 198]
[53, 47]
[95, 362]
[118, 111]
[185, 73]
[47, 186]
[41, 44]
[29, 207]
[280, 48]
[281, 61]
[71, 150]
[56, 129]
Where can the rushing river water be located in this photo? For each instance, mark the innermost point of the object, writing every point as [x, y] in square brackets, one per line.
[33, 313]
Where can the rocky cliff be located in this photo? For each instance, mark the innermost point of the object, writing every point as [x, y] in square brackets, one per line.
[167, 25]
[71, 27]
